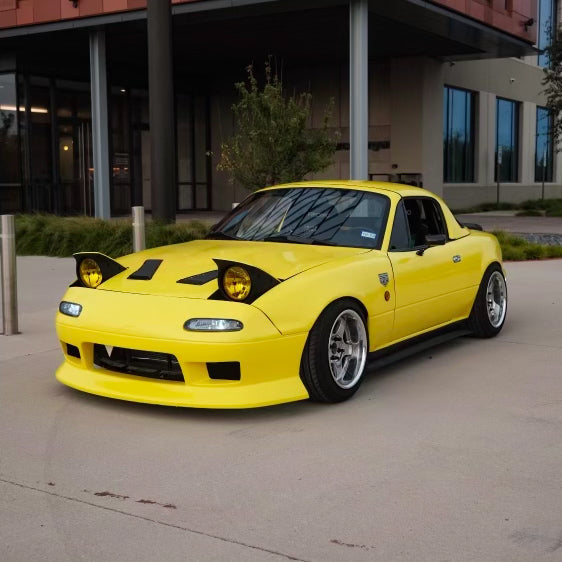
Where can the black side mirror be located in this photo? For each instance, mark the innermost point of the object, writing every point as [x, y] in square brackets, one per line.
[432, 240]
[435, 239]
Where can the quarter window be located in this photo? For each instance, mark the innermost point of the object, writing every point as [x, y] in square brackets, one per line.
[400, 237]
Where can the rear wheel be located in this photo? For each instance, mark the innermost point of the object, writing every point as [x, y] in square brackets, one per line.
[335, 354]
[490, 306]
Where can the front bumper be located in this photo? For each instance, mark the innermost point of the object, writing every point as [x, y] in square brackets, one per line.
[269, 361]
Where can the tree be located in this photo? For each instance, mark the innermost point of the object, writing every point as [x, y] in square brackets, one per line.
[272, 143]
[553, 83]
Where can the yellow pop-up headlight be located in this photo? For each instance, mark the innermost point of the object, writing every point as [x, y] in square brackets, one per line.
[90, 273]
[236, 283]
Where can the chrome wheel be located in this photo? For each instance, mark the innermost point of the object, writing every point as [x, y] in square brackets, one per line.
[496, 299]
[347, 349]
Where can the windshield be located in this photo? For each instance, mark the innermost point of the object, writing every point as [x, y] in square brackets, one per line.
[338, 217]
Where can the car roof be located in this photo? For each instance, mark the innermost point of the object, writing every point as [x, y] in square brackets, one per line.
[377, 186]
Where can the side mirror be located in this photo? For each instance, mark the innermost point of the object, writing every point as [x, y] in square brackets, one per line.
[435, 239]
[432, 240]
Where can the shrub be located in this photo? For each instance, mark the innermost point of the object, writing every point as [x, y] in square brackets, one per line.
[49, 235]
[515, 248]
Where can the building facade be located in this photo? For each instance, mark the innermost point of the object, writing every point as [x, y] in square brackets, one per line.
[453, 89]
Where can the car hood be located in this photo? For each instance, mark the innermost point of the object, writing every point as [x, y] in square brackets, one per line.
[280, 260]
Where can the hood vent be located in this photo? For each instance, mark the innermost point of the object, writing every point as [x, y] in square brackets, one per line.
[200, 278]
[146, 271]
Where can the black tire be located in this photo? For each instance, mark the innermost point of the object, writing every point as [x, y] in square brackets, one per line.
[315, 371]
[479, 322]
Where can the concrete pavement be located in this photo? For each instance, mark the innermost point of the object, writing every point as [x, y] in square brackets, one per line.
[453, 454]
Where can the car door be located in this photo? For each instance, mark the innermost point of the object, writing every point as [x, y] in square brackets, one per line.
[428, 281]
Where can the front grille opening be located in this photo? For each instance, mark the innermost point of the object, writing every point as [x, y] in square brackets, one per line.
[150, 364]
[72, 350]
[226, 370]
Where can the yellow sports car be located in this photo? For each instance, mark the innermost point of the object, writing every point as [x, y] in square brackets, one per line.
[286, 298]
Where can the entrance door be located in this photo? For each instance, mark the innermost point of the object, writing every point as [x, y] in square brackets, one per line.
[76, 168]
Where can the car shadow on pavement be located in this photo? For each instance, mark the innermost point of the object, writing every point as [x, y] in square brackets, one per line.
[377, 372]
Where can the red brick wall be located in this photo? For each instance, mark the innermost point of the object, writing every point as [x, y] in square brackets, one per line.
[507, 15]
[27, 12]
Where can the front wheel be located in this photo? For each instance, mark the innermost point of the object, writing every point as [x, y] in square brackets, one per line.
[335, 354]
[490, 306]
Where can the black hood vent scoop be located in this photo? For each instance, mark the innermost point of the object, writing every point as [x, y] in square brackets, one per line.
[146, 271]
[200, 278]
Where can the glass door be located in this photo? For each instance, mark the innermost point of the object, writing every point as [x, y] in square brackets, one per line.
[75, 165]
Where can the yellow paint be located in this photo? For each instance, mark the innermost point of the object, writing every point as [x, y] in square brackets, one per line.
[426, 292]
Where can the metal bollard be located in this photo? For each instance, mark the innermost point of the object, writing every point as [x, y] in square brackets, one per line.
[139, 242]
[9, 276]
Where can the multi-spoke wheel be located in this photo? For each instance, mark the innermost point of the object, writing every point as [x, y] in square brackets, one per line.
[490, 306]
[334, 358]
[347, 348]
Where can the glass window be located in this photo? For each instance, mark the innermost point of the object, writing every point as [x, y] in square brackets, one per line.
[458, 138]
[400, 237]
[192, 148]
[544, 152]
[507, 140]
[10, 173]
[546, 22]
[9, 161]
[424, 217]
[334, 217]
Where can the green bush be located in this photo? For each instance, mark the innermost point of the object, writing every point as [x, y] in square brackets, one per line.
[49, 235]
[529, 213]
[554, 251]
[515, 248]
[552, 207]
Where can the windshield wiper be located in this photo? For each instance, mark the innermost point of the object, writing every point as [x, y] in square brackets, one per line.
[220, 236]
[297, 240]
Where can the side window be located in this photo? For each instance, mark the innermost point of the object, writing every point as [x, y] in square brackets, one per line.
[433, 217]
[400, 237]
[424, 217]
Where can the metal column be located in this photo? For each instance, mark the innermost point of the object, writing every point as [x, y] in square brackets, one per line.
[161, 110]
[9, 277]
[100, 124]
[139, 238]
[359, 89]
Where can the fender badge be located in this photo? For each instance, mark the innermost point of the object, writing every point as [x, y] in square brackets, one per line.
[456, 259]
[383, 278]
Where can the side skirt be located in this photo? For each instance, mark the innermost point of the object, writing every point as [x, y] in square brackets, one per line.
[404, 349]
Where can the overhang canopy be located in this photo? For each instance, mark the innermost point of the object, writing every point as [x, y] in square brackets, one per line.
[245, 30]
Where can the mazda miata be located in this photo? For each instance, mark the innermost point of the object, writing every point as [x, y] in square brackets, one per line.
[287, 298]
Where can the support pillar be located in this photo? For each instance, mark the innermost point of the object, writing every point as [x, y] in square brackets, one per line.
[359, 89]
[161, 110]
[100, 124]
